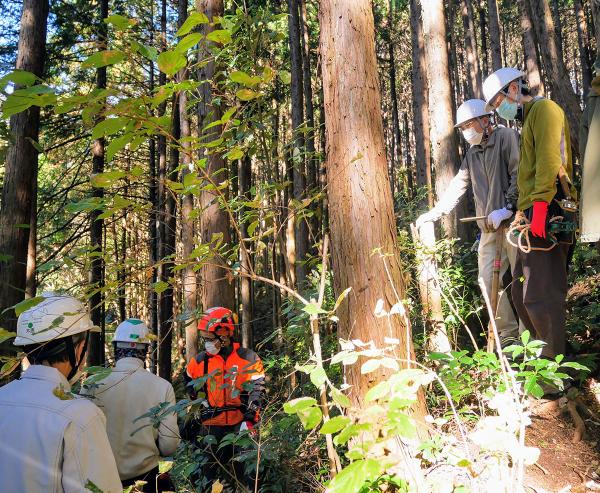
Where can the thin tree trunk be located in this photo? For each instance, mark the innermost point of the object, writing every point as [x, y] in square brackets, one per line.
[96, 354]
[358, 184]
[473, 73]
[408, 158]
[445, 155]
[557, 25]
[298, 148]
[420, 98]
[495, 34]
[554, 67]
[218, 286]
[484, 37]
[21, 165]
[30, 283]
[189, 282]
[530, 50]
[584, 54]
[595, 8]
[245, 182]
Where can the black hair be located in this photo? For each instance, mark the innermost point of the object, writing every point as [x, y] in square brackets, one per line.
[54, 351]
[129, 352]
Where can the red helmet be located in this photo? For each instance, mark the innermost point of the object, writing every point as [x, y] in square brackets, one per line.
[219, 320]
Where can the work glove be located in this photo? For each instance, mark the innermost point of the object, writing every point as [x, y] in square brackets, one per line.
[247, 425]
[538, 219]
[496, 217]
[427, 217]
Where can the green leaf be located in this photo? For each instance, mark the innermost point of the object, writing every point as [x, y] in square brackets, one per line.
[191, 22]
[350, 431]
[120, 22]
[92, 487]
[26, 304]
[575, 366]
[334, 425]
[354, 476]
[103, 59]
[313, 308]
[244, 79]
[160, 286]
[5, 335]
[380, 390]
[234, 154]
[19, 77]
[222, 36]
[188, 42]
[170, 62]
[531, 387]
[15, 103]
[370, 366]
[116, 145]
[341, 298]
[318, 376]
[310, 417]
[285, 76]
[149, 52]
[299, 404]
[525, 337]
[109, 126]
[340, 398]
[106, 179]
[246, 94]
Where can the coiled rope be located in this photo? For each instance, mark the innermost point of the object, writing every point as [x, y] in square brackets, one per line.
[520, 228]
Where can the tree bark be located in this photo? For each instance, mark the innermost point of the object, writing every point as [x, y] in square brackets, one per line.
[474, 82]
[96, 354]
[495, 34]
[444, 149]
[361, 210]
[554, 67]
[21, 165]
[245, 182]
[189, 281]
[595, 8]
[584, 54]
[218, 286]
[530, 50]
[557, 25]
[420, 98]
[298, 148]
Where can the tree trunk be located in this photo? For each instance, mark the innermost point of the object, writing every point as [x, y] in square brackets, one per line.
[484, 38]
[554, 67]
[299, 180]
[361, 210]
[473, 73]
[96, 354]
[445, 155]
[557, 25]
[189, 283]
[218, 286]
[495, 34]
[595, 8]
[584, 54]
[420, 102]
[21, 165]
[30, 282]
[530, 50]
[245, 182]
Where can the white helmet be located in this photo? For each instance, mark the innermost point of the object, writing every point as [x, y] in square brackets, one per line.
[131, 332]
[472, 108]
[497, 81]
[55, 317]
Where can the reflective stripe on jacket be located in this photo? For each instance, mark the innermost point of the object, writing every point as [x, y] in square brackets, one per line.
[234, 381]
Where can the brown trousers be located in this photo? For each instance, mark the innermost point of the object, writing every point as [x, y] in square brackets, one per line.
[539, 292]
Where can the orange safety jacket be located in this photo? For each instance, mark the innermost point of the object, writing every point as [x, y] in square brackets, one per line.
[225, 387]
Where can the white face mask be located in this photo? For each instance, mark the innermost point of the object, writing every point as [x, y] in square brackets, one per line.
[212, 346]
[472, 136]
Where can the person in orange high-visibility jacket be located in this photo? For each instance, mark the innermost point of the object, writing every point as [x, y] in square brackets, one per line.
[233, 393]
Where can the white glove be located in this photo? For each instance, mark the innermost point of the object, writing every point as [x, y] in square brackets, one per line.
[429, 216]
[244, 426]
[496, 217]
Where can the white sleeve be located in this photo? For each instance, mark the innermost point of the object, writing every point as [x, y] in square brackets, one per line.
[87, 456]
[456, 189]
[168, 431]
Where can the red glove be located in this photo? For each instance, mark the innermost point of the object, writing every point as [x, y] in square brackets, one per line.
[538, 220]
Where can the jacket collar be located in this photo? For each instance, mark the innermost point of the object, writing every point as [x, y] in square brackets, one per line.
[129, 363]
[47, 373]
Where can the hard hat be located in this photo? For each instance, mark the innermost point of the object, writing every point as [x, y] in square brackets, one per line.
[219, 320]
[497, 81]
[132, 332]
[55, 317]
[472, 108]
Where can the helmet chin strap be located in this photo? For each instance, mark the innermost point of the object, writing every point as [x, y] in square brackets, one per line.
[73, 358]
[486, 134]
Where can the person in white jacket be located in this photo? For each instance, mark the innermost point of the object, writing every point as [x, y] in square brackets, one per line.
[490, 169]
[128, 393]
[52, 441]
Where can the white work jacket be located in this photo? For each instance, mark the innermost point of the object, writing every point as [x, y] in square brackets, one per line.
[126, 394]
[50, 440]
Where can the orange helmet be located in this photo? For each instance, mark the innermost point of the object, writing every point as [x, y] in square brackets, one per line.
[219, 320]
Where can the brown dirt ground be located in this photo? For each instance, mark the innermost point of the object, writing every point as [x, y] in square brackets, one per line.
[563, 463]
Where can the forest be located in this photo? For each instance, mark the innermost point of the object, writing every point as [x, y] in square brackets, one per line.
[307, 166]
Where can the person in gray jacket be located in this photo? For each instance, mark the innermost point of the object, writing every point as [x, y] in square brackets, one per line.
[129, 393]
[490, 168]
[51, 440]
